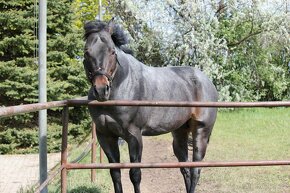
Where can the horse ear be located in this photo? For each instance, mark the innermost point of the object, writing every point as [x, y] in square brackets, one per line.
[111, 26]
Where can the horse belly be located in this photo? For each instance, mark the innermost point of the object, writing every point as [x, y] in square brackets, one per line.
[164, 120]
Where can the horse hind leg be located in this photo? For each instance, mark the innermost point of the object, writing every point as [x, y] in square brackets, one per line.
[200, 138]
[180, 149]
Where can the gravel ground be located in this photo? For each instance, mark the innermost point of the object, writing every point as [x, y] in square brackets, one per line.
[21, 171]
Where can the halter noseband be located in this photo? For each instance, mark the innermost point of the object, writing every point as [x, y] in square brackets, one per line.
[99, 72]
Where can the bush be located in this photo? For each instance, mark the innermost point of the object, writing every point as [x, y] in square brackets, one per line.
[27, 138]
[6, 137]
[6, 148]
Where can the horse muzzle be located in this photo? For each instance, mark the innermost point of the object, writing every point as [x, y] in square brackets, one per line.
[101, 87]
[102, 93]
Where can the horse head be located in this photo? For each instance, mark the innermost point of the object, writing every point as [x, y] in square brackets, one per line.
[100, 59]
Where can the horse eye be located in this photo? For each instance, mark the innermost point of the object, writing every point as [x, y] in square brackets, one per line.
[113, 52]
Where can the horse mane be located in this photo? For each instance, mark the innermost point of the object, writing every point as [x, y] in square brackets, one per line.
[118, 36]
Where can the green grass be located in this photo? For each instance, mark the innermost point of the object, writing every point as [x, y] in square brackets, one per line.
[251, 134]
[256, 134]
[79, 181]
[246, 134]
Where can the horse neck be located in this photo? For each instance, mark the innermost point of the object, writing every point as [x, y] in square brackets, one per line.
[125, 75]
[122, 67]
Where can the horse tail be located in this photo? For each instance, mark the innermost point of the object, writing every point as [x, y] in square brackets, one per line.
[190, 141]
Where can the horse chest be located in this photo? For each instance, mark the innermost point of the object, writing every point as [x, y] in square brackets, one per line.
[106, 124]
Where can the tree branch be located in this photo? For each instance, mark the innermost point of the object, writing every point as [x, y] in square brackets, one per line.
[221, 9]
[244, 38]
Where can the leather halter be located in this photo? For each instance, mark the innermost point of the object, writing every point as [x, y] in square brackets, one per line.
[100, 72]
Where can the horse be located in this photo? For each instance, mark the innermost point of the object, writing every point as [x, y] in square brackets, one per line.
[115, 74]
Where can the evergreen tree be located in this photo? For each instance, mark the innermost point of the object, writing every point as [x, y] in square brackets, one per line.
[18, 60]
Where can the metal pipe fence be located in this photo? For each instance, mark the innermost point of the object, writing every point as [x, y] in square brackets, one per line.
[70, 166]
[179, 103]
[65, 165]
[201, 164]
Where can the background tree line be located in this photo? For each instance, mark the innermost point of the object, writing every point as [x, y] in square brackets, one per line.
[242, 45]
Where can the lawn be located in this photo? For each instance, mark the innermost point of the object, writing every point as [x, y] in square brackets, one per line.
[246, 134]
[256, 134]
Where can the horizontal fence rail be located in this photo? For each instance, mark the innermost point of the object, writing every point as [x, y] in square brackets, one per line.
[176, 164]
[177, 103]
[27, 108]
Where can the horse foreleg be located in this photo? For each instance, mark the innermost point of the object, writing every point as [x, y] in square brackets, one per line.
[180, 149]
[111, 149]
[135, 146]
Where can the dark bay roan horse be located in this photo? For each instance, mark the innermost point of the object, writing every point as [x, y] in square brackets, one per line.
[117, 75]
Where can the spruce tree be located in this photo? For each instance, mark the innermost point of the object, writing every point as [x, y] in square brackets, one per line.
[18, 60]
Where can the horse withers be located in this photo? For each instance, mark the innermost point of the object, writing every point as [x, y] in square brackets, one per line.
[116, 75]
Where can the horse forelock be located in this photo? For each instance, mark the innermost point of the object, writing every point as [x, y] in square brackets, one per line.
[93, 27]
[118, 36]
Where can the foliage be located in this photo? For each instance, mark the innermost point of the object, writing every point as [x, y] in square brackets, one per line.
[19, 70]
[87, 10]
[242, 45]
[144, 41]
[13, 140]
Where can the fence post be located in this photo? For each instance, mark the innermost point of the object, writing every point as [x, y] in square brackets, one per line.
[42, 93]
[100, 10]
[64, 149]
[93, 151]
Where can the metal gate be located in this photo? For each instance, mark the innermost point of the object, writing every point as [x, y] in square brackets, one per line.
[65, 165]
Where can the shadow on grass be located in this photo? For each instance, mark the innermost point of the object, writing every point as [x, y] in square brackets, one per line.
[84, 189]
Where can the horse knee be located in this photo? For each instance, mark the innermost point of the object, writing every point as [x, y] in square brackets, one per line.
[135, 175]
[185, 172]
[116, 175]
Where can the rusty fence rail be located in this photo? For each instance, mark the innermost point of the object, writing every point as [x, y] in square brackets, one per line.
[69, 166]
[14, 110]
[178, 103]
[28, 108]
[65, 165]
[201, 164]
